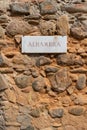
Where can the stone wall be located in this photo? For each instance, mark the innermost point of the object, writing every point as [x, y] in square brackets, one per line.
[43, 91]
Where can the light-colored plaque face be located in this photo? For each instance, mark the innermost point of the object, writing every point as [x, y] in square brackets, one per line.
[44, 44]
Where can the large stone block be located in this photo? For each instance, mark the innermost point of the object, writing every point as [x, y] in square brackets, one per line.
[56, 112]
[75, 8]
[77, 110]
[23, 81]
[69, 59]
[19, 8]
[19, 27]
[47, 7]
[79, 30]
[60, 81]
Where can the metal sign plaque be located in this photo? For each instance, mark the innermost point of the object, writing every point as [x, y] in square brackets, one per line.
[44, 44]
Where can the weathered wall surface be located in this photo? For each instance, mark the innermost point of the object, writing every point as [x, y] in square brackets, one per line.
[43, 91]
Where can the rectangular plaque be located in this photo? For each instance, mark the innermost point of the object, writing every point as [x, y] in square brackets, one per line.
[44, 44]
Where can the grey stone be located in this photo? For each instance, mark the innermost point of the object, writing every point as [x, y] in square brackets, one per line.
[25, 121]
[51, 69]
[2, 128]
[18, 27]
[35, 73]
[23, 117]
[4, 61]
[60, 81]
[25, 60]
[35, 112]
[2, 32]
[25, 110]
[47, 7]
[42, 60]
[29, 128]
[79, 30]
[56, 112]
[39, 84]
[81, 82]
[23, 80]
[77, 110]
[48, 27]
[1, 60]
[3, 83]
[2, 123]
[19, 8]
[75, 8]
[69, 59]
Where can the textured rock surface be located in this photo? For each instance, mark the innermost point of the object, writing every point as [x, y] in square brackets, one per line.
[3, 83]
[18, 27]
[2, 32]
[23, 81]
[56, 112]
[61, 81]
[69, 59]
[39, 84]
[4, 19]
[43, 61]
[75, 8]
[48, 27]
[20, 8]
[77, 111]
[29, 128]
[81, 82]
[47, 7]
[43, 91]
[79, 30]
[4, 61]
[35, 112]
[63, 25]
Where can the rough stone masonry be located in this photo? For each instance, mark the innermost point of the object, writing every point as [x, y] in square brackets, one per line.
[43, 91]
